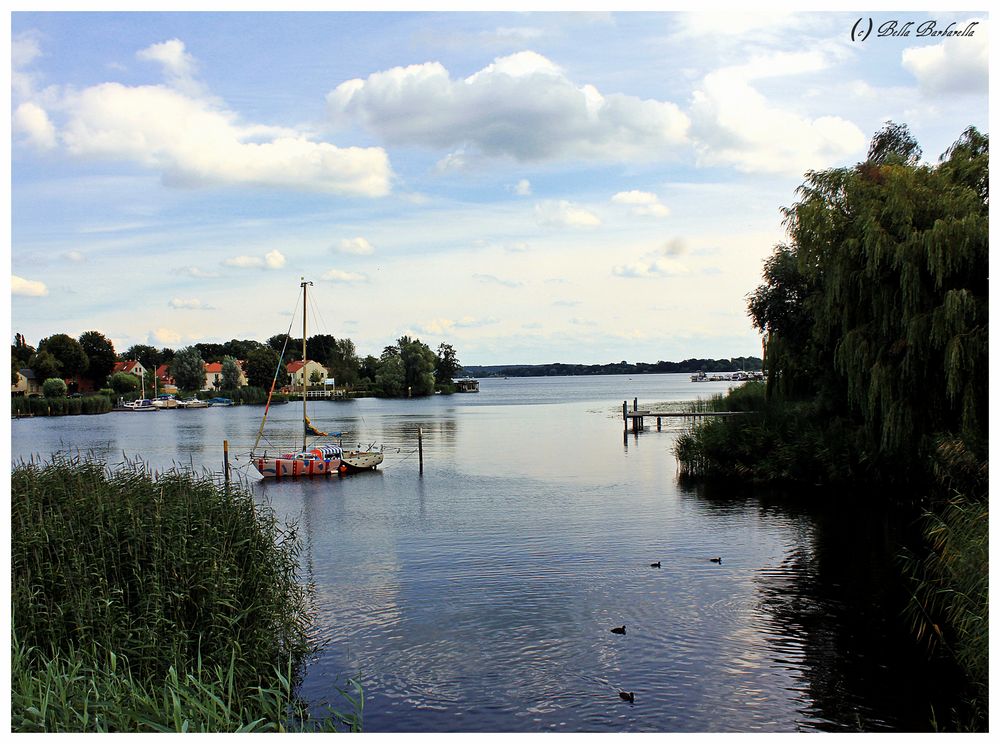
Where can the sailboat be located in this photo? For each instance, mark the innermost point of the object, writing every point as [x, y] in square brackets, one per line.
[143, 404]
[323, 460]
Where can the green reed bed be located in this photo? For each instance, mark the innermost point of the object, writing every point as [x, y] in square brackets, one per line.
[63, 406]
[774, 441]
[149, 603]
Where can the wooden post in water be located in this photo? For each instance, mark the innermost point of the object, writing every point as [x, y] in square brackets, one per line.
[420, 448]
[625, 413]
[225, 462]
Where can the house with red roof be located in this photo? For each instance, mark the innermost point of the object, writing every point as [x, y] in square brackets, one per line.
[213, 375]
[131, 367]
[304, 370]
[164, 380]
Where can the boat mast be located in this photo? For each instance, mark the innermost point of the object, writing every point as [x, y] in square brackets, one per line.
[305, 418]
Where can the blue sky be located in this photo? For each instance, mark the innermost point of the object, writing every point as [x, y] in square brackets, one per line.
[528, 187]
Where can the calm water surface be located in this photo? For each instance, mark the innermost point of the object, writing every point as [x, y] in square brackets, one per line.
[479, 596]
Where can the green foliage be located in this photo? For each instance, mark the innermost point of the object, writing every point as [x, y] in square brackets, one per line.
[54, 387]
[210, 352]
[188, 369]
[124, 383]
[260, 368]
[879, 305]
[343, 362]
[83, 692]
[44, 365]
[390, 379]
[22, 406]
[774, 441]
[68, 352]
[240, 348]
[20, 350]
[446, 366]
[950, 583]
[150, 602]
[100, 356]
[418, 364]
[230, 373]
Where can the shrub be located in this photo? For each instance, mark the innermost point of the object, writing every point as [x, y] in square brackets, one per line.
[54, 388]
[124, 383]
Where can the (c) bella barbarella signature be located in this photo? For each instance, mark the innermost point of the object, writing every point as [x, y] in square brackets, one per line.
[862, 29]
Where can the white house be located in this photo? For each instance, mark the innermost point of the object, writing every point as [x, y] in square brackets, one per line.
[305, 370]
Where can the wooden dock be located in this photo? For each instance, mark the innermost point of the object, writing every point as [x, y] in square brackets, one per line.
[638, 417]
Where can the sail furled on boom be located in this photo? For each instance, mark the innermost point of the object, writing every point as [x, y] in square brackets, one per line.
[312, 430]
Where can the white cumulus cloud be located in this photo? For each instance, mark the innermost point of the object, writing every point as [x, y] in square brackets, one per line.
[244, 262]
[189, 137]
[188, 304]
[27, 287]
[357, 246]
[163, 337]
[31, 121]
[344, 277]
[564, 214]
[444, 326]
[661, 262]
[641, 203]
[177, 63]
[522, 106]
[733, 124]
[956, 65]
[272, 260]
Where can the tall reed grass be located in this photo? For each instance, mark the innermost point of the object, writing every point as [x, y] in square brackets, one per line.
[39, 406]
[776, 441]
[949, 581]
[134, 592]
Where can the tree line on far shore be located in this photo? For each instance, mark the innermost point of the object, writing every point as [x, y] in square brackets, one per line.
[408, 367]
[732, 364]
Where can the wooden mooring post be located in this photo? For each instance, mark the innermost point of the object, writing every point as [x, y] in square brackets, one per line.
[225, 462]
[420, 448]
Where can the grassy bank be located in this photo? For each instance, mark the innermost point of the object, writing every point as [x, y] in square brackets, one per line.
[144, 603]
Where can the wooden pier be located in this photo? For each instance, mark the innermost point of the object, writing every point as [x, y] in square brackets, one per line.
[638, 418]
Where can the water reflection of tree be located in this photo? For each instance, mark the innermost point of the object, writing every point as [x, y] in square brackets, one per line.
[835, 610]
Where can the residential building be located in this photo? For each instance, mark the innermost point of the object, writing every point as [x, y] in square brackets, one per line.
[213, 375]
[131, 367]
[26, 383]
[165, 382]
[300, 371]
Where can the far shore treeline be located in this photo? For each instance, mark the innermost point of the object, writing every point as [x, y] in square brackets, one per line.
[64, 365]
[555, 369]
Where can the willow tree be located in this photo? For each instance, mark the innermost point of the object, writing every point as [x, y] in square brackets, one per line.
[889, 261]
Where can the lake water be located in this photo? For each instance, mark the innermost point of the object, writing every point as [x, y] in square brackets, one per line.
[479, 596]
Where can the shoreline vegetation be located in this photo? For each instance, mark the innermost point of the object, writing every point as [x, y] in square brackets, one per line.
[732, 364]
[105, 401]
[876, 320]
[155, 603]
